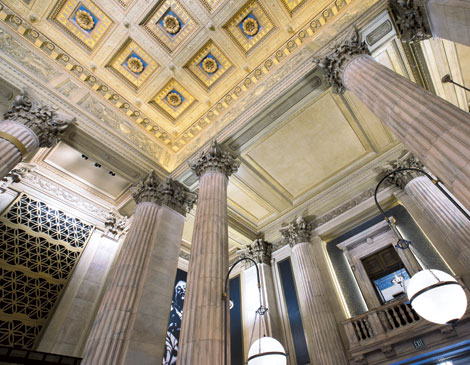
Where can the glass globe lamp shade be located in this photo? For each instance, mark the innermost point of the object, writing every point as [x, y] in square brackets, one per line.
[269, 352]
[440, 301]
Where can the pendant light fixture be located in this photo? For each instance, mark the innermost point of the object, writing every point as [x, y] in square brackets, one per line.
[265, 350]
[435, 295]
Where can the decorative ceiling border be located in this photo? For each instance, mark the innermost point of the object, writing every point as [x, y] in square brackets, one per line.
[49, 48]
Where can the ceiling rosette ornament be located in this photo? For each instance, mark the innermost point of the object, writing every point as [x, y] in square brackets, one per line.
[250, 26]
[215, 159]
[135, 65]
[43, 120]
[84, 20]
[171, 24]
[209, 65]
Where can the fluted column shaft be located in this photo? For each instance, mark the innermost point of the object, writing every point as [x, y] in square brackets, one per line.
[455, 227]
[310, 272]
[435, 130]
[106, 341]
[132, 322]
[16, 140]
[450, 19]
[202, 333]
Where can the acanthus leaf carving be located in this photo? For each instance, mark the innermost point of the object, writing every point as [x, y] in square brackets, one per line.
[43, 120]
[402, 178]
[215, 159]
[298, 232]
[411, 20]
[334, 60]
[169, 192]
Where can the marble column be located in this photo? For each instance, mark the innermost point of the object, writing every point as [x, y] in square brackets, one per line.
[435, 212]
[260, 251]
[450, 19]
[436, 131]
[27, 127]
[131, 324]
[202, 332]
[311, 276]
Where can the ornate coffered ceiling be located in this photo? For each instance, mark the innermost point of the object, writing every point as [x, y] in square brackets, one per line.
[171, 68]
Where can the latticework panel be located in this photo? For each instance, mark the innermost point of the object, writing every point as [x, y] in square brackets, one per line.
[39, 247]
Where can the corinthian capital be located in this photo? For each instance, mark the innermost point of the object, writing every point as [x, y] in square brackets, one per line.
[297, 232]
[174, 195]
[260, 251]
[411, 20]
[215, 159]
[169, 192]
[333, 60]
[43, 120]
[400, 179]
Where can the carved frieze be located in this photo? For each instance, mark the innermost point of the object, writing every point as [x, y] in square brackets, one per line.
[335, 59]
[402, 178]
[297, 232]
[43, 120]
[215, 159]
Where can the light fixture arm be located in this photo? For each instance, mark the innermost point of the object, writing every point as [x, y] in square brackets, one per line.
[225, 297]
[436, 182]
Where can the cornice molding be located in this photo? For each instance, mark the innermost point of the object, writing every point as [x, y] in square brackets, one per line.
[291, 46]
[88, 125]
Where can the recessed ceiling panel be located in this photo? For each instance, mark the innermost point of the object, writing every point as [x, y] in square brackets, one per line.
[132, 64]
[83, 20]
[209, 65]
[250, 26]
[315, 144]
[249, 206]
[170, 24]
[92, 173]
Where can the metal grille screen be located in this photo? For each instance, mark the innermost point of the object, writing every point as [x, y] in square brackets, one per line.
[39, 248]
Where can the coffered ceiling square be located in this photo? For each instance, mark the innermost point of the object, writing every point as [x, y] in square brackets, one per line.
[250, 26]
[211, 5]
[82, 20]
[209, 65]
[293, 5]
[170, 24]
[132, 64]
[173, 100]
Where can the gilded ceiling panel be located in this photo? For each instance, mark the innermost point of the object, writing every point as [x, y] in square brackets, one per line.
[209, 65]
[170, 24]
[132, 64]
[173, 100]
[250, 26]
[82, 20]
[293, 5]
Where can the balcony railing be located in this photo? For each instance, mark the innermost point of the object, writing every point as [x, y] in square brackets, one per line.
[388, 318]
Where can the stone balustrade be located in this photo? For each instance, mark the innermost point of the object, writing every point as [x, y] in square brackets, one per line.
[372, 325]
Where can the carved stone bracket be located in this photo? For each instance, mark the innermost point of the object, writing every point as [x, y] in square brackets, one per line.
[114, 224]
[411, 20]
[297, 232]
[15, 176]
[334, 60]
[400, 179]
[43, 120]
[260, 251]
[169, 192]
[215, 159]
